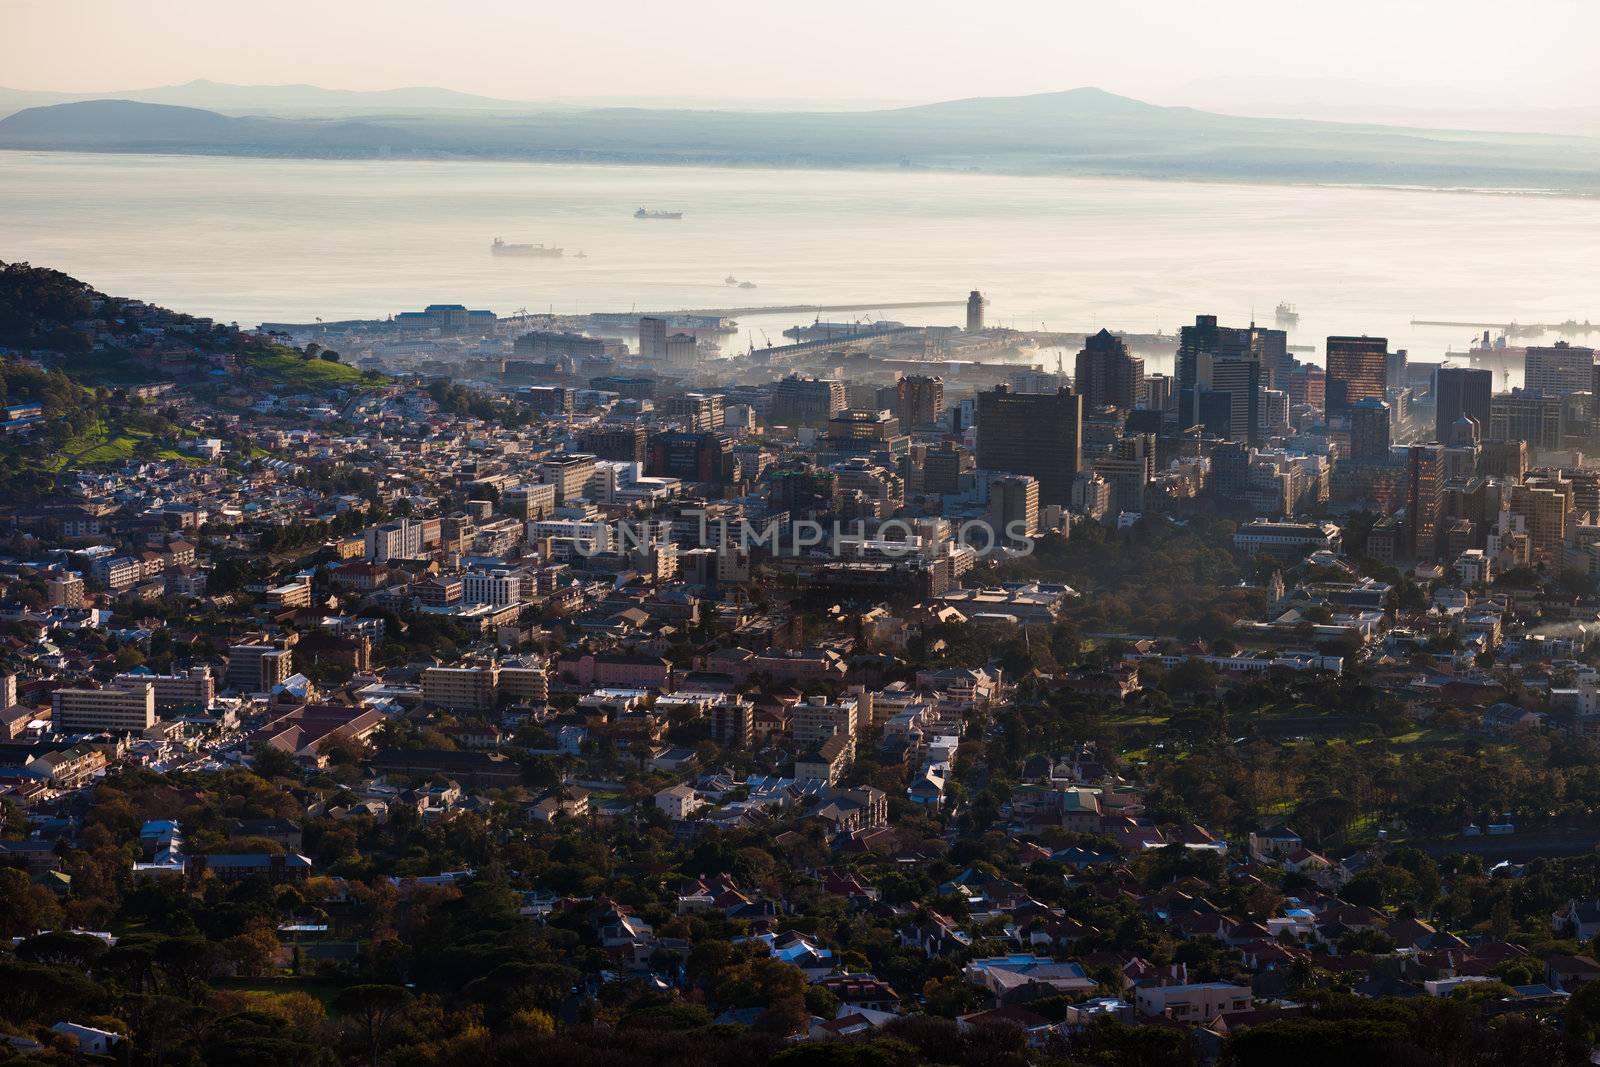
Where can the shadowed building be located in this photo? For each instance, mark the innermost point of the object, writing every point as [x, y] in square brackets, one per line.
[1039, 434]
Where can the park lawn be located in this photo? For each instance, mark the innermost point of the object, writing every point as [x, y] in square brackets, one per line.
[323, 989]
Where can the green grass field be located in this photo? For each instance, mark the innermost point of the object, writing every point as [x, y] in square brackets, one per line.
[285, 367]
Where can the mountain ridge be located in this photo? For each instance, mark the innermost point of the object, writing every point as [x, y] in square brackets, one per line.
[1077, 131]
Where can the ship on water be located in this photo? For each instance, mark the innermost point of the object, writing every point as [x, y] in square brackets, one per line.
[647, 213]
[501, 248]
[1286, 314]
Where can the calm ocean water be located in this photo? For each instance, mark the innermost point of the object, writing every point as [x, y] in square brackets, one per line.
[247, 239]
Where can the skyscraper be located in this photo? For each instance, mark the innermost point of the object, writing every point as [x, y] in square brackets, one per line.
[1370, 431]
[1039, 434]
[1234, 388]
[1461, 391]
[1357, 369]
[1270, 348]
[1107, 375]
[1424, 496]
[1200, 348]
[919, 400]
[975, 308]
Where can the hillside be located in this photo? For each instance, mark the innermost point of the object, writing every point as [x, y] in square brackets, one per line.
[1081, 131]
[92, 346]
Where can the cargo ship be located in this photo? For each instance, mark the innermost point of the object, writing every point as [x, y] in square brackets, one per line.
[1286, 314]
[500, 248]
[646, 213]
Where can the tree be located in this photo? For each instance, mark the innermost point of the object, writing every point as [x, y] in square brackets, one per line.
[373, 1010]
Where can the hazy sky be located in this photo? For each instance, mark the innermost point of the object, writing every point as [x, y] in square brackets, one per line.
[1536, 52]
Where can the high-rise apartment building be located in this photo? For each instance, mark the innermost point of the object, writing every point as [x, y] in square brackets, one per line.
[919, 400]
[79, 711]
[1013, 508]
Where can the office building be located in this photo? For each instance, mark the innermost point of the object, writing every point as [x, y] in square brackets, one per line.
[945, 469]
[191, 688]
[801, 400]
[569, 472]
[1270, 348]
[696, 412]
[1039, 435]
[530, 501]
[1219, 380]
[1371, 431]
[1424, 498]
[1524, 416]
[624, 443]
[692, 457]
[548, 399]
[1461, 391]
[1558, 369]
[1107, 374]
[85, 711]
[400, 539]
[1198, 346]
[550, 344]
[1358, 368]
[1158, 392]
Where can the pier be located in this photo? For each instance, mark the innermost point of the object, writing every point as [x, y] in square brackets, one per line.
[808, 309]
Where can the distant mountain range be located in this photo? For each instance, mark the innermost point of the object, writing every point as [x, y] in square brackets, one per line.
[280, 100]
[1080, 131]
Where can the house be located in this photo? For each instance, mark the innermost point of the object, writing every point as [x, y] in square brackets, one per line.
[1024, 977]
[91, 1042]
[236, 866]
[1578, 919]
[568, 802]
[862, 991]
[1037, 1028]
[1268, 846]
[848, 810]
[1569, 972]
[1197, 1002]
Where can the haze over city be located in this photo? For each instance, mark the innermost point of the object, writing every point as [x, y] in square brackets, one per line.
[799, 535]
